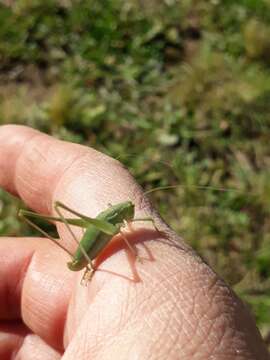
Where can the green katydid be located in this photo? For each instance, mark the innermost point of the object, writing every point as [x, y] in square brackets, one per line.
[98, 231]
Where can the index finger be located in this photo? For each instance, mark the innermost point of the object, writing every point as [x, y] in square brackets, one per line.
[41, 169]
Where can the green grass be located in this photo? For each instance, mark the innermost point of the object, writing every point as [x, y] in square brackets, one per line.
[177, 90]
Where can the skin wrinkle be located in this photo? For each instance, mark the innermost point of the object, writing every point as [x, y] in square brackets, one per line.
[170, 263]
[99, 342]
[83, 348]
[227, 312]
[106, 337]
[27, 143]
[159, 337]
[34, 342]
[225, 288]
[64, 174]
[144, 205]
[164, 325]
[32, 144]
[23, 273]
[213, 324]
[100, 293]
[211, 301]
[240, 342]
[13, 175]
[157, 313]
[147, 324]
[187, 339]
[130, 324]
[212, 297]
[129, 312]
[35, 310]
[176, 322]
[99, 339]
[30, 309]
[230, 351]
[119, 323]
[125, 331]
[229, 333]
[125, 309]
[214, 336]
[203, 340]
[178, 247]
[174, 337]
[19, 283]
[206, 333]
[85, 171]
[136, 191]
[200, 339]
[217, 339]
[147, 299]
[215, 281]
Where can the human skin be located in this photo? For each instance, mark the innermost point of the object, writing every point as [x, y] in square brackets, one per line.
[180, 308]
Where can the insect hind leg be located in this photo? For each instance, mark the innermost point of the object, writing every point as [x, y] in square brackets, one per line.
[57, 207]
[38, 228]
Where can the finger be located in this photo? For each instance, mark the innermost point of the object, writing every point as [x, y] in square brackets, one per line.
[31, 164]
[41, 169]
[34, 348]
[11, 147]
[34, 286]
[11, 338]
[17, 341]
[44, 169]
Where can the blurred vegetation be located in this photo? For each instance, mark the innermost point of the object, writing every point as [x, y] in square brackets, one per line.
[177, 90]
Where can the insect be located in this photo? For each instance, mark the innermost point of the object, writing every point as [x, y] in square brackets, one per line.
[98, 231]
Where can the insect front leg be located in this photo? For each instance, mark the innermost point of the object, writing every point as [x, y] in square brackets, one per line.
[57, 207]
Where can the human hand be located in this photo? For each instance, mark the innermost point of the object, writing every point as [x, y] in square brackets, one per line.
[179, 310]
